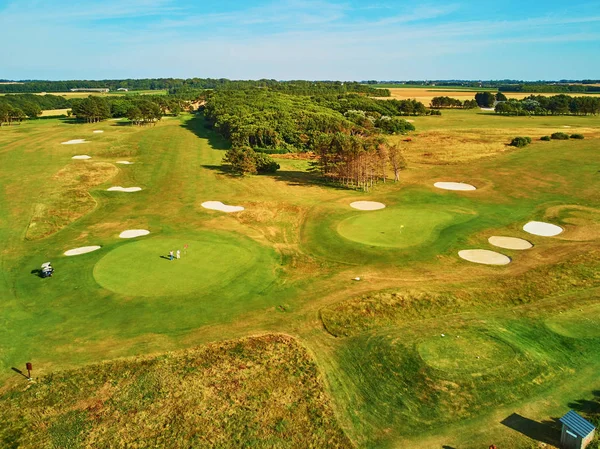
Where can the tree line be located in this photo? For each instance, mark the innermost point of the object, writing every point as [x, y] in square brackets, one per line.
[550, 88]
[15, 108]
[554, 105]
[448, 102]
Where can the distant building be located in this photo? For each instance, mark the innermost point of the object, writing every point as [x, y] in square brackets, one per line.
[90, 89]
[123, 89]
[577, 432]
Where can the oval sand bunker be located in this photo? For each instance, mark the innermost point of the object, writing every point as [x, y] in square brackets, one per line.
[217, 205]
[131, 233]
[124, 189]
[81, 157]
[82, 250]
[74, 142]
[510, 242]
[454, 186]
[484, 256]
[542, 229]
[367, 205]
[124, 162]
[98, 131]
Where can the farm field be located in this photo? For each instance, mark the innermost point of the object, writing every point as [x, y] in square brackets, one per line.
[425, 350]
[424, 94]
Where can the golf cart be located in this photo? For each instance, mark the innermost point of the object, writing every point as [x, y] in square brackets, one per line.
[46, 270]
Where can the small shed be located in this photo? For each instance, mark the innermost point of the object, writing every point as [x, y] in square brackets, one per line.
[577, 432]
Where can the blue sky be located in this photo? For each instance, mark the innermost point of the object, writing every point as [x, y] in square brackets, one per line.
[293, 39]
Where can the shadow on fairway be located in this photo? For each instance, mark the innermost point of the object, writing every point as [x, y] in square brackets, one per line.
[546, 432]
[587, 407]
[199, 126]
[37, 272]
[165, 257]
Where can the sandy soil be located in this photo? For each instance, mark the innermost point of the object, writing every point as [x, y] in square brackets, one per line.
[367, 205]
[131, 233]
[542, 229]
[124, 189]
[82, 250]
[454, 186]
[510, 242]
[484, 256]
[217, 205]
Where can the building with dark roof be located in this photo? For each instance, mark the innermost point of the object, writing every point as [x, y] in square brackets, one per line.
[577, 432]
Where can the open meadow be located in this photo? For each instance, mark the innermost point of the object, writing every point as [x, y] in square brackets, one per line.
[367, 321]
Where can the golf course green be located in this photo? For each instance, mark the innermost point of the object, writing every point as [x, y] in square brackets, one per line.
[396, 228]
[143, 268]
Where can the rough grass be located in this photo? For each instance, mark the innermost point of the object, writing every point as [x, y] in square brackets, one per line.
[66, 197]
[261, 392]
[387, 308]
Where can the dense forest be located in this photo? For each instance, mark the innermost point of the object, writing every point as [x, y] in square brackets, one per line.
[14, 108]
[555, 105]
[345, 131]
[449, 103]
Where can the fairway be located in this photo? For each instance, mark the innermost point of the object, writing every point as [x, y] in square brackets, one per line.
[143, 268]
[578, 323]
[396, 228]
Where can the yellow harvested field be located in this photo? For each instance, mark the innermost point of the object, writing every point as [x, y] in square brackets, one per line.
[51, 112]
[425, 95]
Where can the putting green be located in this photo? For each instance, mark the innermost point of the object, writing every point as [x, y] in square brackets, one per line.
[395, 228]
[465, 352]
[577, 323]
[142, 268]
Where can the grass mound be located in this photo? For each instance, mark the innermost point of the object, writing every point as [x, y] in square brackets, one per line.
[260, 392]
[577, 323]
[465, 352]
[143, 268]
[395, 228]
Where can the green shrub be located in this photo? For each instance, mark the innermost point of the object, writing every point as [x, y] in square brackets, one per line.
[520, 142]
[560, 136]
[577, 136]
[265, 163]
[545, 138]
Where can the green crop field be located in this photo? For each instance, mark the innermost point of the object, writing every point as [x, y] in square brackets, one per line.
[274, 340]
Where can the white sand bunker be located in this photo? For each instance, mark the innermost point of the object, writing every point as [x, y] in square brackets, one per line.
[454, 186]
[98, 131]
[367, 205]
[124, 162]
[217, 205]
[543, 229]
[131, 233]
[82, 250]
[484, 256]
[509, 242]
[124, 189]
[81, 156]
[74, 141]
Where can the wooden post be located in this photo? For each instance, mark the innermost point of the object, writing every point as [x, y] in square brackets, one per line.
[29, 368]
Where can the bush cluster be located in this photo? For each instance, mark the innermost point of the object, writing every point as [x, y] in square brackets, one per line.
[577, 136]
[545, 138]
[520, 142]
[560, 136]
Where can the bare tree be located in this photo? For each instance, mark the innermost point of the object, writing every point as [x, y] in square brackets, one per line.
[397, 161]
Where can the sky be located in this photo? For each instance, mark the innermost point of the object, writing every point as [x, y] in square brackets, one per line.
[295, 39]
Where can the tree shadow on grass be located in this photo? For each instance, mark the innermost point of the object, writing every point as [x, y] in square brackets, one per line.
[546, 432]
[199, 126]
[586, 407]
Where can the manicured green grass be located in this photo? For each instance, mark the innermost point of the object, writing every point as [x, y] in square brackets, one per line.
[582, 322]
[398, 227]
[143, 268]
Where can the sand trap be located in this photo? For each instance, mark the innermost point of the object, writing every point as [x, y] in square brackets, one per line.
[543, 229]
[116, 119]
[131, 233]
[74, 141]
[484, 256]
[410, 121]
[367, 205]
[82, 250]
[217, 205]
[566, 126]
[124, 189]
[98, 131]
[81, 156]
[488, 109]
[124, 162]
[454, 186]
[510, 242]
